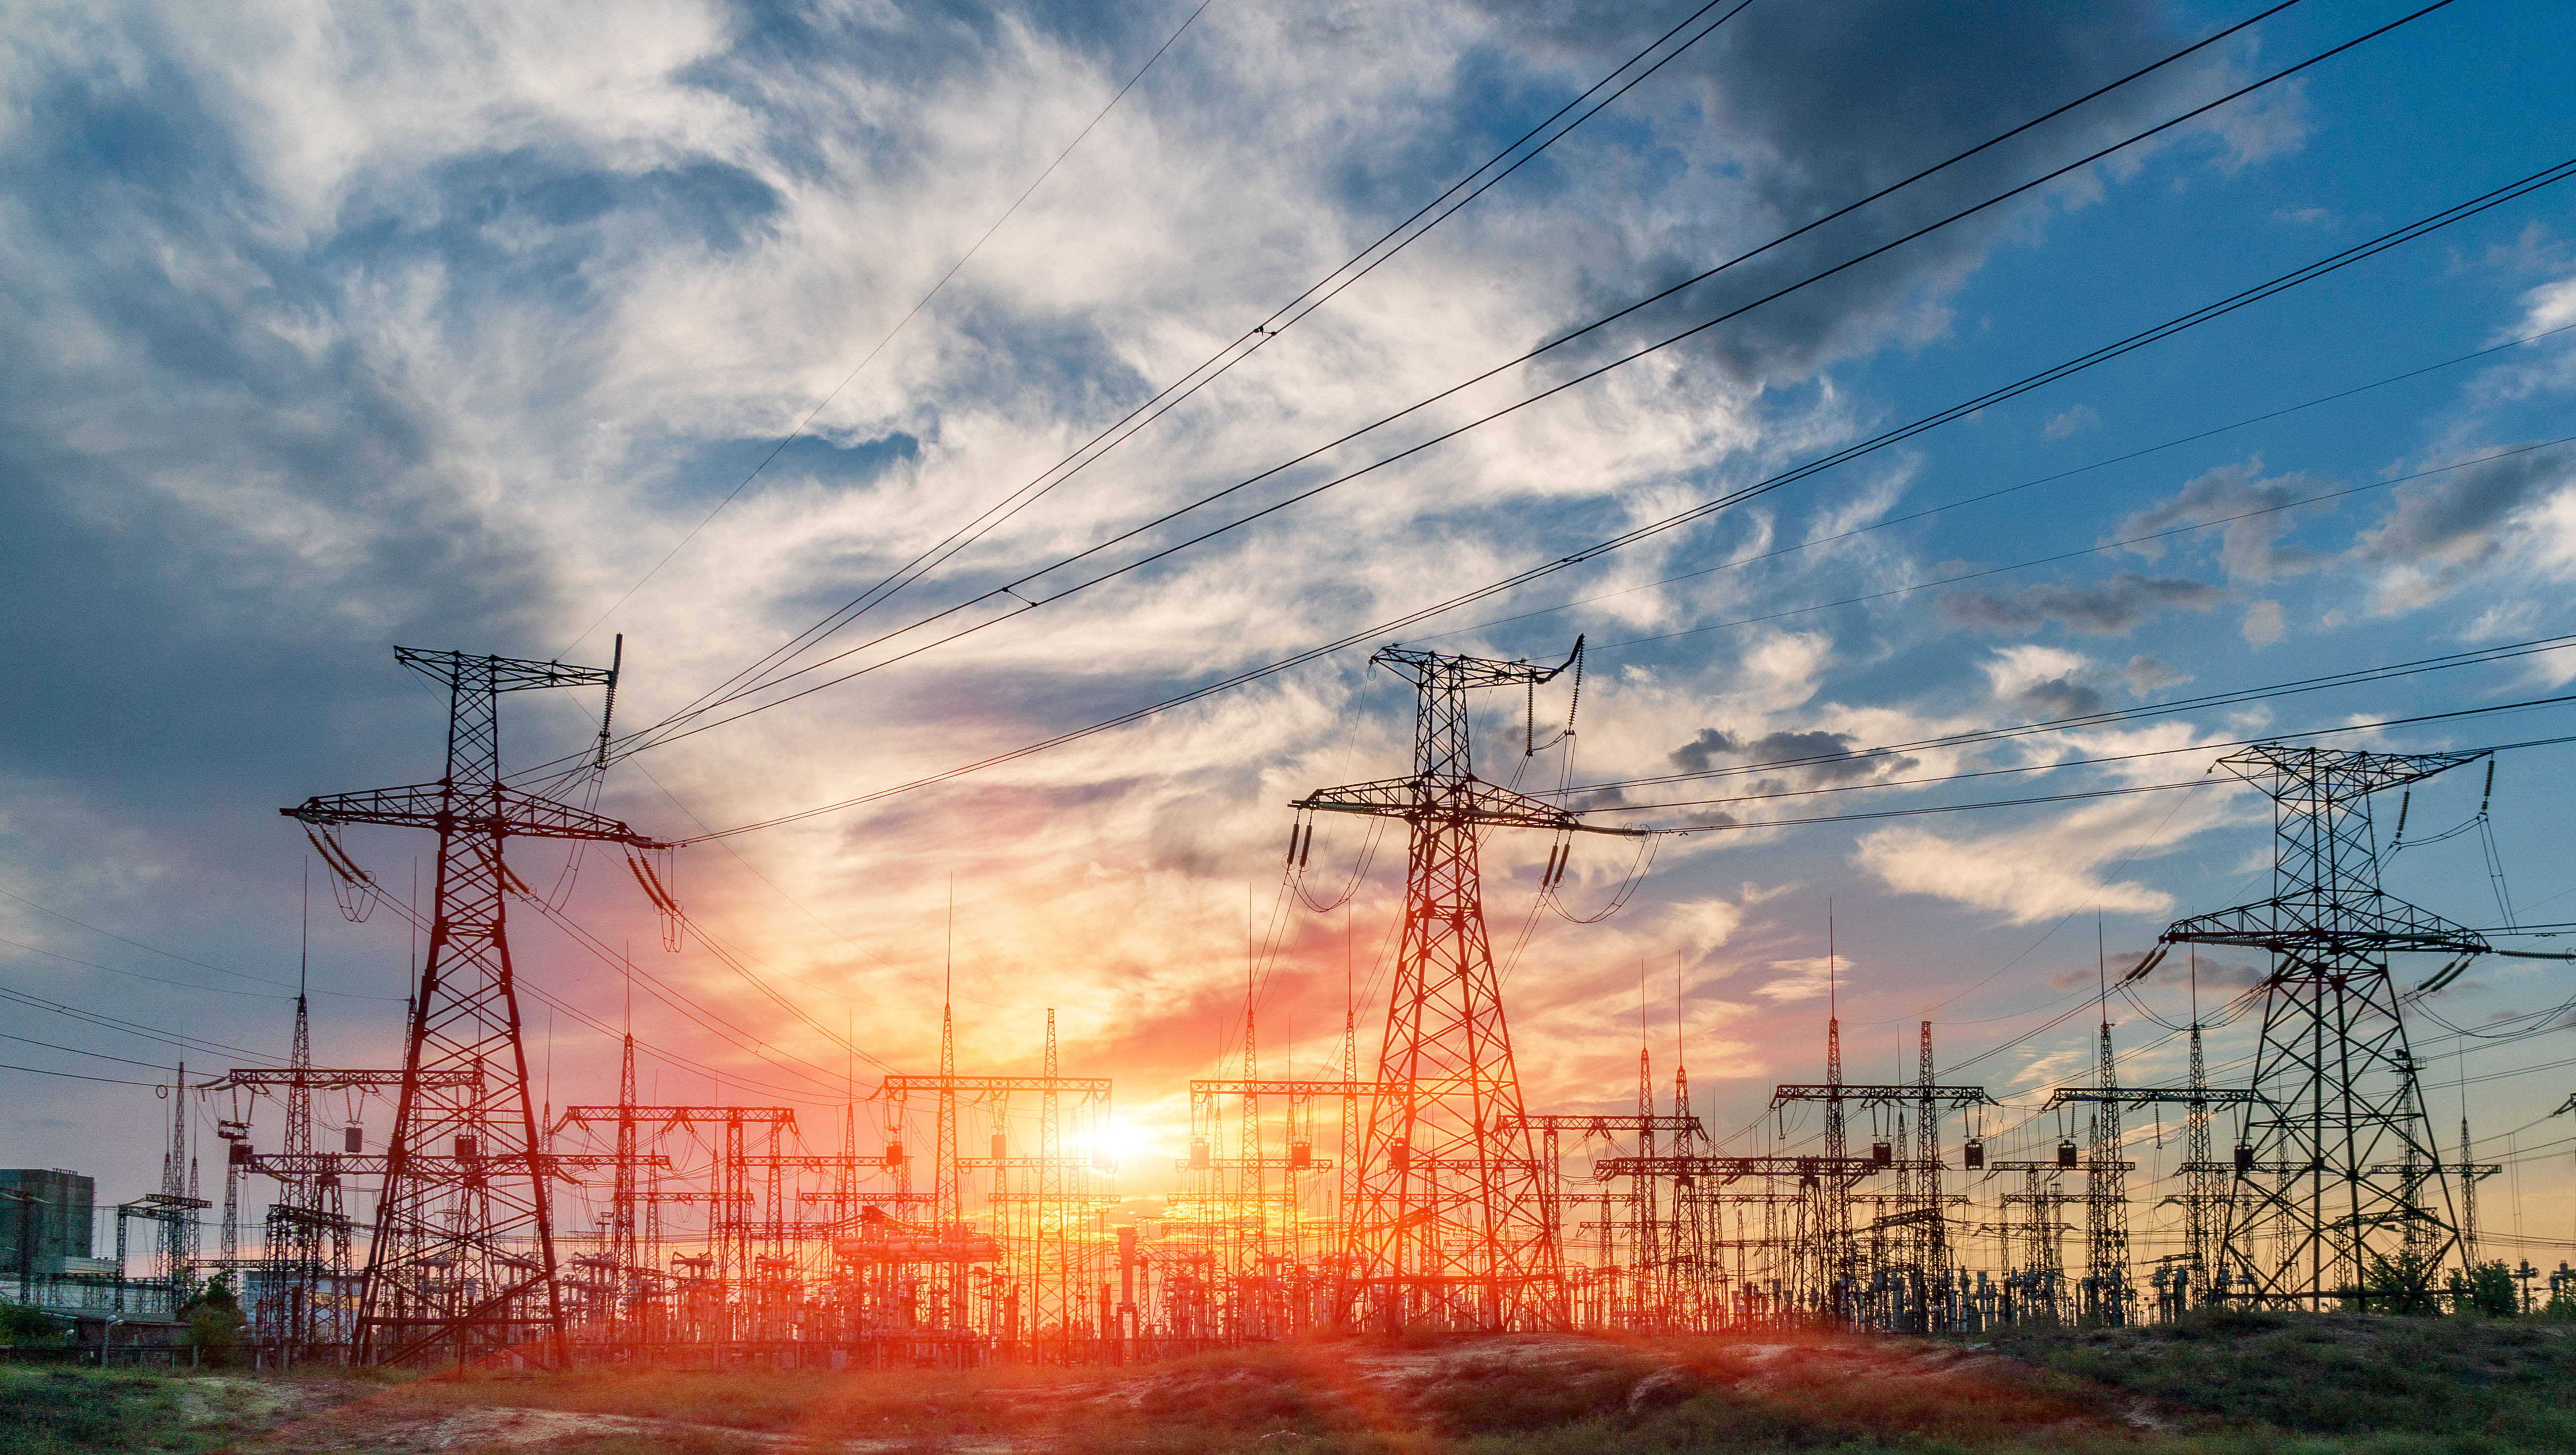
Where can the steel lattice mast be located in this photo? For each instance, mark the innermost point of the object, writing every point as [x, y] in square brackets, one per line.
[1449, 1223]
[463, 1256]
[2342, 1156]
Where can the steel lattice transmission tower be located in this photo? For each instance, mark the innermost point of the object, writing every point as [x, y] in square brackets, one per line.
[2343, 1168]
[1448, 1223]
[463, 1256]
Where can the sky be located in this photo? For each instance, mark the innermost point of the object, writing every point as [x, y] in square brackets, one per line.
[512, 330]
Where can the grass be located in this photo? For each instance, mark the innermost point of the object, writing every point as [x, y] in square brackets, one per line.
[2400, 1384]
[2241, 1385]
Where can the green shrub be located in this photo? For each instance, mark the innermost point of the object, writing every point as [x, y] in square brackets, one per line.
[215, 1322]
[2487, 1289]
[22, 1325]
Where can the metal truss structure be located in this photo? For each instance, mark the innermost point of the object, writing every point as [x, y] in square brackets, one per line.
[462, 1261]
[1448, 1224]
[2343, 1186]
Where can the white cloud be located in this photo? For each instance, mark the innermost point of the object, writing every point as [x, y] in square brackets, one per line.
[2061, 425]
[2056, 865]
[2264, 624]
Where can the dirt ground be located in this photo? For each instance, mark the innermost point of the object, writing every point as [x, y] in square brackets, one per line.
[1339, 1395]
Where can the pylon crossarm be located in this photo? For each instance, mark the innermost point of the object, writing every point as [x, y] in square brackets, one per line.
[2290, 929]
[2153, 1096]
[505, 674]
[1090, 1086]
[1602, 1126]
[1221, 1087]
[334, 1078]
[1469, 672]
[1453, 801]
[1857, 1094]
[1729, 1169]
[501, 811]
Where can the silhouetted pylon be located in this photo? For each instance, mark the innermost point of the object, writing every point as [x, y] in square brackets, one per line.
[1448, 1224]
[463, 1258]
[2341, 1170]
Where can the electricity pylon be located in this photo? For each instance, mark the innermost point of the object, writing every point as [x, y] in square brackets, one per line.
[2343, 1171]
[463, 1256]
[1449, 1225]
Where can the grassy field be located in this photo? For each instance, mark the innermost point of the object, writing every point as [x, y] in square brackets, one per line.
[2214, 1386]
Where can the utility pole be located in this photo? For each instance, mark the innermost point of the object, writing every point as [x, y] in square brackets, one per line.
[2341, 1153]
[1451, 1225]
[463, 1256]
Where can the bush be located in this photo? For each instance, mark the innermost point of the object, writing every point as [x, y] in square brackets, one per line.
[2399, 1285]
[215, 1322]
[2487, 1289]
[21, 1324]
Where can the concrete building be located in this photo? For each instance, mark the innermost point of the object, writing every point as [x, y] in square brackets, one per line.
[45, 1220]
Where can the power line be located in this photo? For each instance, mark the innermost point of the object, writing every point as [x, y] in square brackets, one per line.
[2364, 727]
[165, 954]
[77, 1051]
[76, 1076]
[1016, 591]
[1367, 260]
[1981, 498]
[2548, 176]
[2093, 550]
[2509, 651]
[125, 1027]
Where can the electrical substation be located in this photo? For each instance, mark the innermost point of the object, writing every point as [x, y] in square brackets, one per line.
[1406, 1190]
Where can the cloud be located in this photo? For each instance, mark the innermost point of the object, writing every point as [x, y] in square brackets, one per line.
[2249, 548]
[1789, 112]
[2058, 697]
[2445, 532]
[2264, 624]
[2061, 425]
[2318, 217]
[1808, 979]
[2114, 608]
[2042, 868]
[2025, 876]
[449, 325]
[1821, 757]
[2144, 674]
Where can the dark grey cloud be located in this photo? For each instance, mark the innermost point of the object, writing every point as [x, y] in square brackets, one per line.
[2145, 674]
[2444, 532]
[2113, 608]
[2059, 697]
[1828, 756]
[2249, 549]
[1790, 112]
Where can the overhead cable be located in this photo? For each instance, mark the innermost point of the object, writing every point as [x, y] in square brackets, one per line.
[1360, 264]
[1020, 592]
[812, 414]
[2555, 173]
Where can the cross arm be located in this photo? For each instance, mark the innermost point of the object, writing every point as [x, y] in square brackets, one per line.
[2374, 928]
[2153, 1096]
[508, 674]
[435, 806]
[1475, 799]
[1884, 1094]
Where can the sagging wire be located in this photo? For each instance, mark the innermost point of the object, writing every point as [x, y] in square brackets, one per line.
[674, 920]
[1561, 857]
[353, 889]
[1300, 847]
[1531, 747]
[2494, 855]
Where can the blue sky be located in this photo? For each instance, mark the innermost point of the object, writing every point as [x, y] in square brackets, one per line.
[327, 331]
